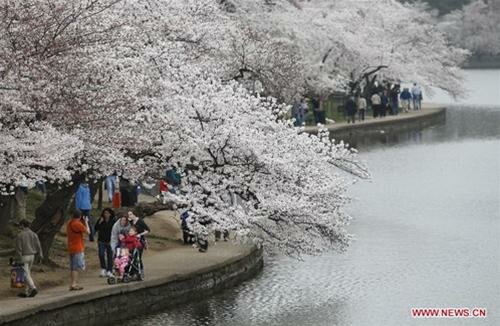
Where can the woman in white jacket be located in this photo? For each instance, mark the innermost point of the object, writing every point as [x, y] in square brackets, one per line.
[120, 227]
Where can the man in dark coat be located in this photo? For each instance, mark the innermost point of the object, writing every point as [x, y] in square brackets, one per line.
[351, 110]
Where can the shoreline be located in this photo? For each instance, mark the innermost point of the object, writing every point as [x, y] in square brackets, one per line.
[195, 275]
[175, 273]
[482, 63]
[428, 116]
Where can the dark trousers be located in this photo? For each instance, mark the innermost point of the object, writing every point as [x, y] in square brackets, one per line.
[362, 115]
[105, 256]
[395, 107]
[351, 117]
[382, 110]
[376, 110]
[140, 257]
[316, 116]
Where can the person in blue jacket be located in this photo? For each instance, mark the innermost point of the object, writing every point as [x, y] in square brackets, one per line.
[83, 202]
[405, 97]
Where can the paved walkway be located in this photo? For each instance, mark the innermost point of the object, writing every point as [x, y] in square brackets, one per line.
[160, 267]
[428, 109]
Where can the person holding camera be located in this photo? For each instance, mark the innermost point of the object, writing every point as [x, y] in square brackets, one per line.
[77, 227]
[27, 246]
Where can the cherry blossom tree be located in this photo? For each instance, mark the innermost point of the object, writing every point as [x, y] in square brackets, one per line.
[476, 27]
[289, 184]
[264, 64]
[32, 153]
[133, 86]
[343, 42]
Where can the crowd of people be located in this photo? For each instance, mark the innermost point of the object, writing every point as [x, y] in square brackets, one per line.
[120, 238]
[120, 241]
[385, 100]
[300, 109]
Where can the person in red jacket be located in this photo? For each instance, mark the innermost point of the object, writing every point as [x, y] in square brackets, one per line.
[131, 241]
[163, 190]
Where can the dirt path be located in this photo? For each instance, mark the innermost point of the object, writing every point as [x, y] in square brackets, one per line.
[166, 256]
[159, 266]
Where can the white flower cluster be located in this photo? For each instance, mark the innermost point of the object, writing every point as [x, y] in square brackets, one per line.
[332, 43]
[134, 86]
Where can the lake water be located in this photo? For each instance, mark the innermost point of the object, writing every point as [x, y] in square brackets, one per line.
[483, 88]
[427, 235]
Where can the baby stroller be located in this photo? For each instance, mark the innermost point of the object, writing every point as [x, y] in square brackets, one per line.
[133, 270]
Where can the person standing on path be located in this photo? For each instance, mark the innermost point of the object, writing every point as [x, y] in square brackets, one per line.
[75, 229]
[376, 102]
[316, 110]
[83, 203]
[361, 108]
[394, 99]
[27, 246]
[110, 187]
[416, 93]
[405, 99]
[120, 227]
[103, 228]
[384, 101]
[302, 112]
[295, 111]
[163, 188]
[351, 110]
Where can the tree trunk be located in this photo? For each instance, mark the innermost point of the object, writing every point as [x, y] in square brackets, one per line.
[51, 215]
[6, 213]
[20, 203]
[147, 209]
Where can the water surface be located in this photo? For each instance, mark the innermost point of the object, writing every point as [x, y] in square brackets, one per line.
[427, 235]
[483, 88]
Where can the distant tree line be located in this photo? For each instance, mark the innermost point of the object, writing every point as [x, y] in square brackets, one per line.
[443, 6]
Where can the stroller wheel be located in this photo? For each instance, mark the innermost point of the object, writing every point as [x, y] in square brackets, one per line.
[140, 277]
[125, 279]
[111, 280]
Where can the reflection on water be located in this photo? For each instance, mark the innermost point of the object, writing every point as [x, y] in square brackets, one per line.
[426, 231]
[461, 122]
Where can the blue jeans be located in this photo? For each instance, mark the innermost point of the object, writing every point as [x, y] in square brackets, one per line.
[77, 262]
[110, 187]
[395, 107]
[416, 103]
[105, 256]
[301, 119]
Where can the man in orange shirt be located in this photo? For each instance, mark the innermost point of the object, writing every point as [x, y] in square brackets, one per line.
[77, 227]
